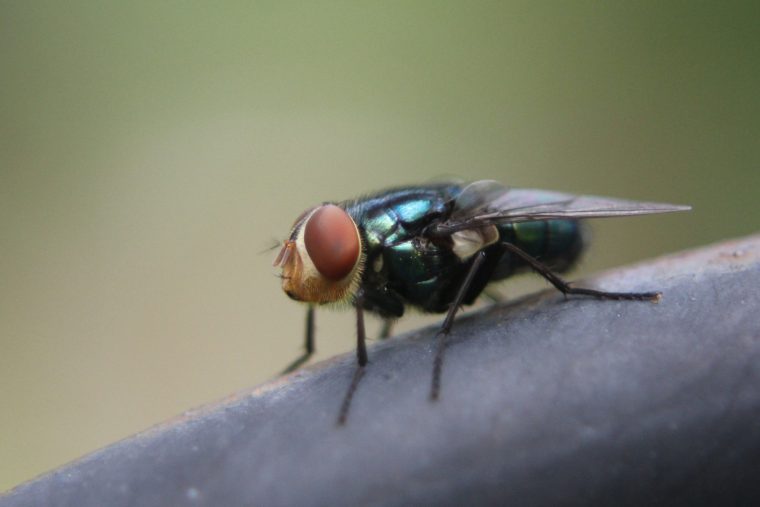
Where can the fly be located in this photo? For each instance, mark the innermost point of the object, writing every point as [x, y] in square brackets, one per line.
[435, 248]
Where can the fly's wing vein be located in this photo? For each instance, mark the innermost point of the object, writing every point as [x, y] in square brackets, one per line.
[486, 202]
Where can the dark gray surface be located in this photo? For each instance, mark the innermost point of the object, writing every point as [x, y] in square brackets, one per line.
[544, 402]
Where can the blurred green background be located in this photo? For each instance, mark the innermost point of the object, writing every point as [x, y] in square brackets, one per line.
[149, 153]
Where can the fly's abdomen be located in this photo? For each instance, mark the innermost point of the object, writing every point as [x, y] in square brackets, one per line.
[556, 243]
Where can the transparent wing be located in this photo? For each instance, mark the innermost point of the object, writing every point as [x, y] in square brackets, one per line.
[488, 202]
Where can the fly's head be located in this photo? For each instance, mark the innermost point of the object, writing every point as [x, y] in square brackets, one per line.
[322, 260]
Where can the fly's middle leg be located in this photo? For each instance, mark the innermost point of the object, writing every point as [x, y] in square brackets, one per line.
[435, 386]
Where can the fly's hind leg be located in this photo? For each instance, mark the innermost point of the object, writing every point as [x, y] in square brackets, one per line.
[565, 288]
[308, 345]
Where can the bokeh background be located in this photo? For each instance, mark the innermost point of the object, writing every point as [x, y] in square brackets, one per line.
[150, 152]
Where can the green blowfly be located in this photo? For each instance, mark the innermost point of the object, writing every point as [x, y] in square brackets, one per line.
[436, 247]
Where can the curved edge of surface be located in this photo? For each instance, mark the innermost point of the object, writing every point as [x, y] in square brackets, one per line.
[545, 401]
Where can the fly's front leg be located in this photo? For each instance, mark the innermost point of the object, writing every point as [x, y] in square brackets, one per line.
[309, 343]
[435, 386]
[361, 358]
[565, 287]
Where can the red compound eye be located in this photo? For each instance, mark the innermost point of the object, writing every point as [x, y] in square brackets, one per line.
[331, 241]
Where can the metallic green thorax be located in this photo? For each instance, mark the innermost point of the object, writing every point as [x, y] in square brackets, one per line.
[403, 267]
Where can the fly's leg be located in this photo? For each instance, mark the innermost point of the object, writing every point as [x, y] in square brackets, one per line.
[309, 344]
[361, 357]
[435, 386]
[385, 330]
[565, 287]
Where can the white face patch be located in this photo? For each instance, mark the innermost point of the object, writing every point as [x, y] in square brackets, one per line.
[309, 269]
[470, 241]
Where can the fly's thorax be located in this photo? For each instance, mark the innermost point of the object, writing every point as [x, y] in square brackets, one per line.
[322, 262]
